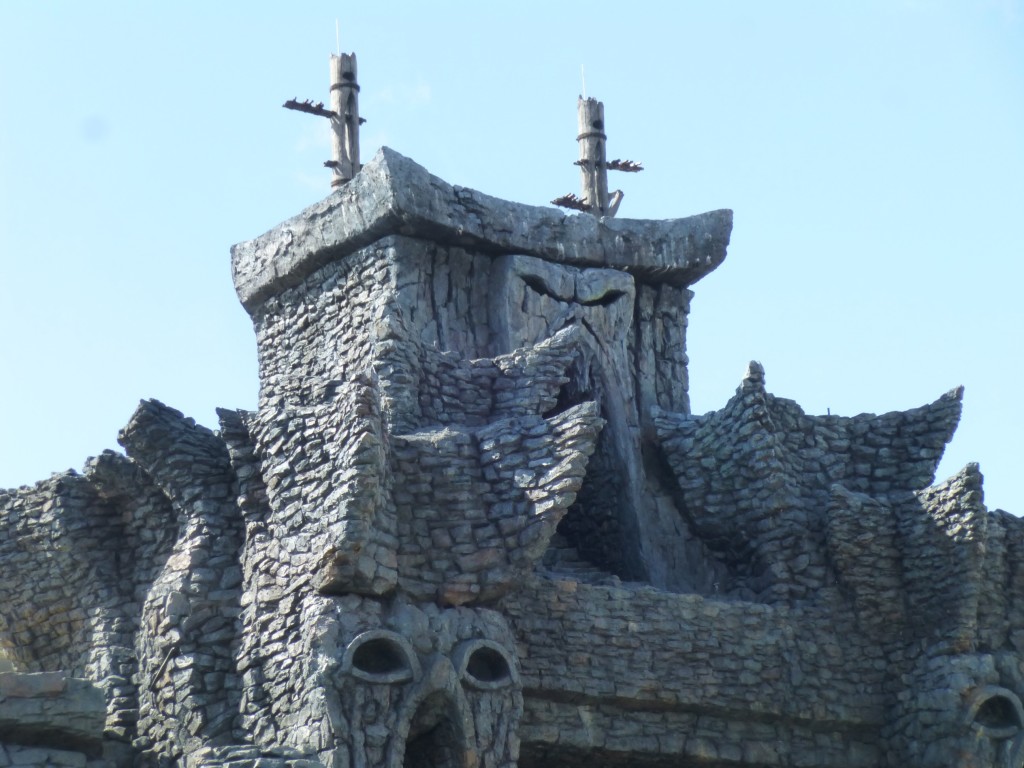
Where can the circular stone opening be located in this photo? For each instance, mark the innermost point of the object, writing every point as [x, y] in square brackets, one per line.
[379, 657]
[486, 665]
[997, 712]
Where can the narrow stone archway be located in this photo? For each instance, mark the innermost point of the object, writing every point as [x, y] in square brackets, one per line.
[435, 741]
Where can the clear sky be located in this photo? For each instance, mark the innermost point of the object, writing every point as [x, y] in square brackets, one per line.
[873, 153]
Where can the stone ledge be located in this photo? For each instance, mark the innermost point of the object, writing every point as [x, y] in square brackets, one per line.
[50, 709]
[394, 195]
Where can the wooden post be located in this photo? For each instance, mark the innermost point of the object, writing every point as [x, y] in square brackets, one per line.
[594, 165]
[345, 125]
[592, 138]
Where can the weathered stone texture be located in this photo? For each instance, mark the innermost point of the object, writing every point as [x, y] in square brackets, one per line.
[759, 473]
[190, 616]
[473, 523]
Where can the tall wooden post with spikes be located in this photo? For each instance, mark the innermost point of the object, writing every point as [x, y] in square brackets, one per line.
[592, 138]
[345, 120]
[594, 165]
[344, 117]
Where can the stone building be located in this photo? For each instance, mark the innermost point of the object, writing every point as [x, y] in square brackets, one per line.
[474, 524]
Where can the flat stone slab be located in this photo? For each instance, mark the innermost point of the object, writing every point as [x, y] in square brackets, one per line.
[393, 195]
[52, 709]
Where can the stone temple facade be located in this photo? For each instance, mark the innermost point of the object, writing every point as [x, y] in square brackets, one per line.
[474, 524]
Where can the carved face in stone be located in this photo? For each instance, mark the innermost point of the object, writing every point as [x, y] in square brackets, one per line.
[403, 686]
[430, 404]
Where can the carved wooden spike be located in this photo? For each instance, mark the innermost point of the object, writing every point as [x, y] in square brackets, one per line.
[571, 201]
[308, 107]
[345, 124]
[592, 138]
[629, 166]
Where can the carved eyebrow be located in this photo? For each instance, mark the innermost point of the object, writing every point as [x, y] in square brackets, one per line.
[609, 298]
[538, 285]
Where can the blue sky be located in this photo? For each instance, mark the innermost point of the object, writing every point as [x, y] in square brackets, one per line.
[873, 153]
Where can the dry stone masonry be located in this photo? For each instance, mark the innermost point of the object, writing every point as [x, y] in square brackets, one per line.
[473, 524]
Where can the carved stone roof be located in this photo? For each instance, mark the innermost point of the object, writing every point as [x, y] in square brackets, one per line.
[393, 195]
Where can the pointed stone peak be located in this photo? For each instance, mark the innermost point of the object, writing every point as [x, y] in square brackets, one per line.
[753, 379]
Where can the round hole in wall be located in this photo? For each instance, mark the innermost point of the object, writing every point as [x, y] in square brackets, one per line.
[997, 712]
[484, 665]
[380, 656]
[487, 665]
